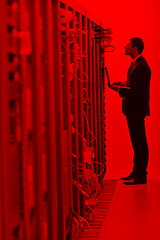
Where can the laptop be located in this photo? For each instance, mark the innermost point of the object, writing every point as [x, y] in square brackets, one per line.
[114, 86]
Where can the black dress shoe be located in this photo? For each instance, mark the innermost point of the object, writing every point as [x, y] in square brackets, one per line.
[137, 181]
[130, 177]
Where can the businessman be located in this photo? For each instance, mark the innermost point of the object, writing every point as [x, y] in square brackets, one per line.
[135, 106]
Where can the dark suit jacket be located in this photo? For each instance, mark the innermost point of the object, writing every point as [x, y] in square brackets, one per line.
[136, 99]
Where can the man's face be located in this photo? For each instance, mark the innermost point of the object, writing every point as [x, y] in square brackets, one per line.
[129, 49]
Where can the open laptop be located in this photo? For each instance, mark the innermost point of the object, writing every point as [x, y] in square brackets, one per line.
[114, 86]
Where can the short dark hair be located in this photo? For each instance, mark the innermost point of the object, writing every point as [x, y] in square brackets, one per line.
[137, 42]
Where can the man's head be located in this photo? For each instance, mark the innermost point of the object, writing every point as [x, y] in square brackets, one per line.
[134, 47]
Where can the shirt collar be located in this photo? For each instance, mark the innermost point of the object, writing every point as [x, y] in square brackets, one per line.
[134, 59]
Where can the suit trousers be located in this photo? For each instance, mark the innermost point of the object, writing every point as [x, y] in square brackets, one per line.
[137, 132]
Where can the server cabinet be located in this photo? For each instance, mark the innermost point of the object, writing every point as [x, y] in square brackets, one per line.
[52, 125]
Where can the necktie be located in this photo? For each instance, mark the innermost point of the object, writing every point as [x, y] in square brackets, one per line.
[128, 74]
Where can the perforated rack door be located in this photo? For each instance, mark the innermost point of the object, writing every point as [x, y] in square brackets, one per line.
[52, 134]
[5, 201]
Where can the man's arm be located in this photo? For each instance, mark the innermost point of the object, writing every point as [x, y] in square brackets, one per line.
[140, 82]
[116, 85]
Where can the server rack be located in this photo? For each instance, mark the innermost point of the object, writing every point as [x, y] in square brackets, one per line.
[52, 125]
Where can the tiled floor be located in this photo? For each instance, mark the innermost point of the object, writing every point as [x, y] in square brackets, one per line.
[93, 229]
[134, 213]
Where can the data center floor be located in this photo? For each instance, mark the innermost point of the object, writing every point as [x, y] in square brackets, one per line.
[134, 212]
[126, 212]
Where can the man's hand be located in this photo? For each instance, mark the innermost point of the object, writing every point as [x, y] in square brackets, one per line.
[118, 84]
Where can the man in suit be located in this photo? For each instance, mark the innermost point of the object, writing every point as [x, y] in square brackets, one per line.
[135, 106]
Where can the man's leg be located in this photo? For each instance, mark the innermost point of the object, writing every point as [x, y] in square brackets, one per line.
[139, 142]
